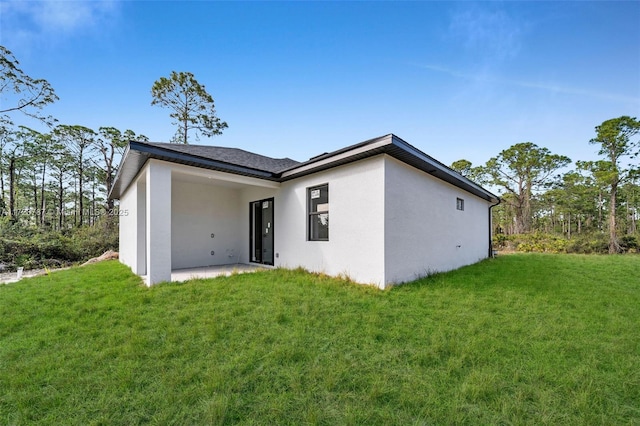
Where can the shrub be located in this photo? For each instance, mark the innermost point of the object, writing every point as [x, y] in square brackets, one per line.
[629, 243]
[537, 242]
[32, 247]
[93, 241]
[598, 243]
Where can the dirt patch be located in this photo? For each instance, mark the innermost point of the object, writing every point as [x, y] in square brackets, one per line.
[107, 255]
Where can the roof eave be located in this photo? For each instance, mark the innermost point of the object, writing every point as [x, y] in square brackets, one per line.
[117, 179]
[189, 159]
[397, 148]
[138, 153]
[411, 155]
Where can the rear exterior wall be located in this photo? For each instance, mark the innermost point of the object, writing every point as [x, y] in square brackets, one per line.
[205, 226]
[132, 229]
[424, 230]
[356, 223]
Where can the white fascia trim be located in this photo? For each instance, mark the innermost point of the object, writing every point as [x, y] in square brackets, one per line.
[337, 157]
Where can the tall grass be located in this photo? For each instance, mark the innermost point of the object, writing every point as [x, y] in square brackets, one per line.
[522, 339]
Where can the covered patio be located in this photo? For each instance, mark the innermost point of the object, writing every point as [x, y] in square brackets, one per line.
[185, 274]
[184, 222]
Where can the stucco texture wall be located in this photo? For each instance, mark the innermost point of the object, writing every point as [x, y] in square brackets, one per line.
[356, 223]
[132, 230]
[424, 232]
[199, 210]
[128, 231]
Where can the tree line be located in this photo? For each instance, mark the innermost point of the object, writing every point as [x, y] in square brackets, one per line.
[599, 199]
[57, 181]
[54, 184]
[61, 178]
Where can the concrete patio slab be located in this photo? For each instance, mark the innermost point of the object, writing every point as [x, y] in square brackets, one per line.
[179, 275]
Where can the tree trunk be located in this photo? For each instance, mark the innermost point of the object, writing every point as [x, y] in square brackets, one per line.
[185, 118]
[185, 132]
[1, 183]
[80, 197]
[579, 224]
[12, 188]
[523, 214]
[60, 202]
[42, 215]
[518, 222]
[42, 182]
[92, 219]
[75, 202]
[614, 247]
[630, 224]
[36, 214]
[110, 203]
[600, 210]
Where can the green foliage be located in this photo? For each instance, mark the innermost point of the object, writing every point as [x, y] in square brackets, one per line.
[192, 106]
[538, 242]
[630, 243]
[521, 339]
[597, 197]
[466, 169]
[21, 93]
[33, 247]
[614, 137]
[91, 241]
[111, 143]
[520, 170]
[462, 166]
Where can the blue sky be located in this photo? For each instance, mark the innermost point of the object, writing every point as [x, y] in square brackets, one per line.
[455, 79]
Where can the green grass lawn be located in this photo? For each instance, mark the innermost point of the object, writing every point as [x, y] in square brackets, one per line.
[521, 339]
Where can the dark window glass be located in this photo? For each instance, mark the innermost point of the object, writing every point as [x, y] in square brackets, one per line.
[318, 201]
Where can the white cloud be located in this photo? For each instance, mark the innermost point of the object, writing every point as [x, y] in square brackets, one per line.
[70, 16]
[545, 86]
[491, 34]
[26, 22]
[490, 38]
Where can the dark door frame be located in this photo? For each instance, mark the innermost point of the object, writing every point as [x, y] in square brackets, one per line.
[253, 228]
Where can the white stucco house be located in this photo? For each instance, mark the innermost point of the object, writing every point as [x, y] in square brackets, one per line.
[380, 212]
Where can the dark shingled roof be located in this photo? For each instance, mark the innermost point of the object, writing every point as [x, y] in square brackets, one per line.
[234, 156]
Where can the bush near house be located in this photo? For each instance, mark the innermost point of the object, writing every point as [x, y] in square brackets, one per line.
[32, 247]
[538, 242]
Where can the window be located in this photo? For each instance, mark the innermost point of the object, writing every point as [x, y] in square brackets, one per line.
[459, 204]
[318, 206]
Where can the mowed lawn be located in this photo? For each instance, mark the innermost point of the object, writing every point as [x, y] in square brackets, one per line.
[521, 339]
